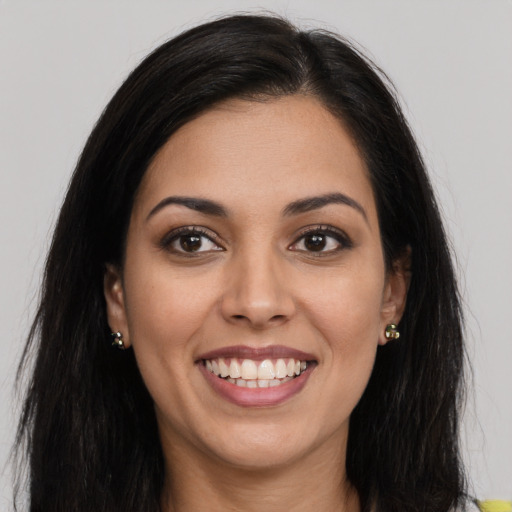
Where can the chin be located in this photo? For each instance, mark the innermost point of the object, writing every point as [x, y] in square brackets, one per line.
[267, 447]
[256, 456]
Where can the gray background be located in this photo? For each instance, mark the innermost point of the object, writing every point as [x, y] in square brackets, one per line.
[451, 60]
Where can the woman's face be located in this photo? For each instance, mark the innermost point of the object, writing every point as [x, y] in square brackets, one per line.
[253, 254]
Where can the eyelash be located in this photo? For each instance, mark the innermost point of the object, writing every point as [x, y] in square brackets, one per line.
[176, 234]
[342, 240]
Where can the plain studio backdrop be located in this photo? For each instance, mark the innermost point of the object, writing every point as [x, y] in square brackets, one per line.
[60, 62]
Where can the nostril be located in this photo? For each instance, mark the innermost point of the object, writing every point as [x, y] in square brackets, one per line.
[278, 317]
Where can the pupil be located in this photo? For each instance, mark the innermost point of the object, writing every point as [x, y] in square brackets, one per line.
[190, 243]
[315, 242]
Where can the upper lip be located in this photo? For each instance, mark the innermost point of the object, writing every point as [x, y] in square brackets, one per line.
[257, 353]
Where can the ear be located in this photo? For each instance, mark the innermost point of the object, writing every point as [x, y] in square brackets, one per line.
[114, 297]
[395, 292]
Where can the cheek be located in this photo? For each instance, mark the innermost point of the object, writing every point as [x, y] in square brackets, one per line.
[165, 307]
[346, 309]
[166, 313]
[346, 315]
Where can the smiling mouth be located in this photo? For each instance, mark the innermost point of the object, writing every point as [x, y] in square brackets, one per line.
[250, 373]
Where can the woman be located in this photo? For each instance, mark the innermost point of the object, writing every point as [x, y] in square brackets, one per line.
[250, 220]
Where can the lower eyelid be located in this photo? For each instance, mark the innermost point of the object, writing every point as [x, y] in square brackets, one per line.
[174, 236]
[208, 239]
[341, 239]
[340, 244]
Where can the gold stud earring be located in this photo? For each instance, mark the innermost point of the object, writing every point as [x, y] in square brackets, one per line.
[391, 332]
[118, 340]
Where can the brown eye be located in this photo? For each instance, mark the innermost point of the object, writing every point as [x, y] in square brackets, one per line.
[190, 243]
[322, 240]
[190, 240]
[315, 242]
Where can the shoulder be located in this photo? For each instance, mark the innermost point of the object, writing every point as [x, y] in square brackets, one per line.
[486, 506]
[494, 506]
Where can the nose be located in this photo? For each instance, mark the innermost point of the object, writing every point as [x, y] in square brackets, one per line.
[257, 292]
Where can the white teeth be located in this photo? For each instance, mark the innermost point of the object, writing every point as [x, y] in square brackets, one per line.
[224, 369]
[290, 368]
[249, 369]
[281, 369]
[234, 369]
[266, 370]
[263, 383]
[259, 383]
[252, 374]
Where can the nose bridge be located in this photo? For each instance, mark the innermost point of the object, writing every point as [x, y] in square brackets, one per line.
[256, 291]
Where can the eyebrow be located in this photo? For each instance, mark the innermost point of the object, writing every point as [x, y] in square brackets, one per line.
[205, 206]
[314, 203]
[209, 207]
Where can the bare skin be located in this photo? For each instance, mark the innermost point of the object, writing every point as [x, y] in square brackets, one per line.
[256, 226]
[317, 483]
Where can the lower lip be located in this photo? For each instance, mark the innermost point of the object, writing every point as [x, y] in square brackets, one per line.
[256, 397]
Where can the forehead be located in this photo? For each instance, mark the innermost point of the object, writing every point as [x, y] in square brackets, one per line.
[252, 152]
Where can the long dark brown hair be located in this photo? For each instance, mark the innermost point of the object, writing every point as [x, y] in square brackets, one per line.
[88, 429]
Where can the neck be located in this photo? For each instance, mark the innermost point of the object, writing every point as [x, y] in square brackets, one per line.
[315, 482]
